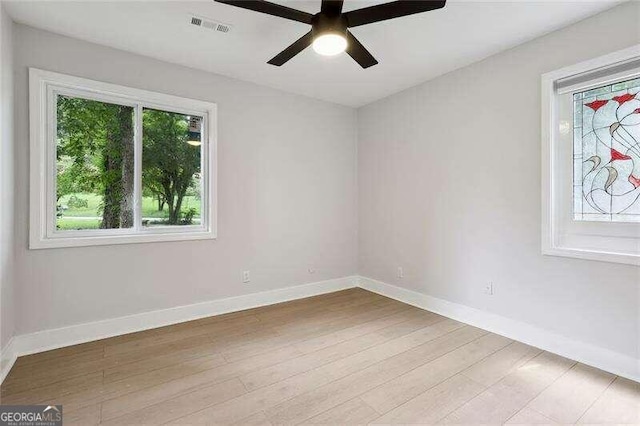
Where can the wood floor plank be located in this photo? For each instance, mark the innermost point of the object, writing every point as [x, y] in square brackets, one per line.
[270, 396]
[569, 397]
[619, 404]
[352, 412]
[87, 416]
[281, 371]
[348, 357]
[433, 405]
[185, 404]
[502, 363]
[54, 390]
[527, 416]
[258, 419]
[305, 406]
[113, 374]
[323, 341]
[299, 332]
[411, 384]
[505, 398]
[140, 390]
[127, 402]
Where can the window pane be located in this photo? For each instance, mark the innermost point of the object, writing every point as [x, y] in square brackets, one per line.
[607, 153]
[171, 180]
[95, 164]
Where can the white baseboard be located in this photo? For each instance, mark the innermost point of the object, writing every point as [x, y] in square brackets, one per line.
[604, 359]
[8, 357]
[75, 334]
[589, 354]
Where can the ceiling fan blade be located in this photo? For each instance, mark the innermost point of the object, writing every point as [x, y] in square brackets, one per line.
[271, 9]
[332, 7]
[291, 51]
[359, 53]
[395, 9]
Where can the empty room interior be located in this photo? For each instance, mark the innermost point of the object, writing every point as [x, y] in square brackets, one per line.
[319, 212]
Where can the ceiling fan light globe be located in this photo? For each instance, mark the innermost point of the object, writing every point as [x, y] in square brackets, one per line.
[329, 44]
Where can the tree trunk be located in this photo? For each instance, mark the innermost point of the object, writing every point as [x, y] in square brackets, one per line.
[160, 203]
[178, 207]
[111, 200]
[169, 198]
[125, 120]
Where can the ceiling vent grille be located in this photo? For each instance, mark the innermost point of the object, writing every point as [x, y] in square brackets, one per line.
[223, 28]
[209, 24]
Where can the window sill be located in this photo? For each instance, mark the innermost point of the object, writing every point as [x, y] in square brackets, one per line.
[602, 256]
[104, 240]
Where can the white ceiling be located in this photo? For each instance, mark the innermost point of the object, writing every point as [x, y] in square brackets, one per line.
[411, 49]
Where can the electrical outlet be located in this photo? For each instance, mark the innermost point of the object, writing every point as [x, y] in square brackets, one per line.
[400, 272]
[488, 289]
[246, 277]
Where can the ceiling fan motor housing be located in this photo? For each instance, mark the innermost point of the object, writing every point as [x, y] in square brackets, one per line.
[323, 24]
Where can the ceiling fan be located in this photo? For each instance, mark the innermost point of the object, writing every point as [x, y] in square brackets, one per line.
[330, 33]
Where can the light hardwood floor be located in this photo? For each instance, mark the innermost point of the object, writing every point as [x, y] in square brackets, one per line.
[350, 357]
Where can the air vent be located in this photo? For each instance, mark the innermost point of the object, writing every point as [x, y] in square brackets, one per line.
[209, 24]
[223, 28]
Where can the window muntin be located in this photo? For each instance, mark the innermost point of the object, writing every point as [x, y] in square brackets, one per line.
[68, 164]
[606, 157]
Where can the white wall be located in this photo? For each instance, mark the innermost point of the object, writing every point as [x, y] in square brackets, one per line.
[287, 197]
[7, 312]
[449, 189]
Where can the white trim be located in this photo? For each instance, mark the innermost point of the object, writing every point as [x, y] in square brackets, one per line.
[41, 341]
[8, 357]
[551, 244]
[604, 359]
[43, 86]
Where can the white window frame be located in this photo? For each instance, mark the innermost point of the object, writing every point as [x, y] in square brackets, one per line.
[602, 241]
[44, 86]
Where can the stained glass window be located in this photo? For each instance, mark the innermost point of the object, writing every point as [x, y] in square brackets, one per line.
[606, 153]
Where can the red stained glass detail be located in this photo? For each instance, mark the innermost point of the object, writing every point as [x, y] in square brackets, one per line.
[617, 155]
[634, 181]
[636, 111]
[623, 98]
[596, 105]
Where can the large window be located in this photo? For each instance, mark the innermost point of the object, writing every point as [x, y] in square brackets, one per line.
[115, 165]
[591, 159]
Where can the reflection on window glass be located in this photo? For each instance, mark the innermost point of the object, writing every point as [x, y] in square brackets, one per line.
[95, 165]
[171, 175]
[607, 153]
